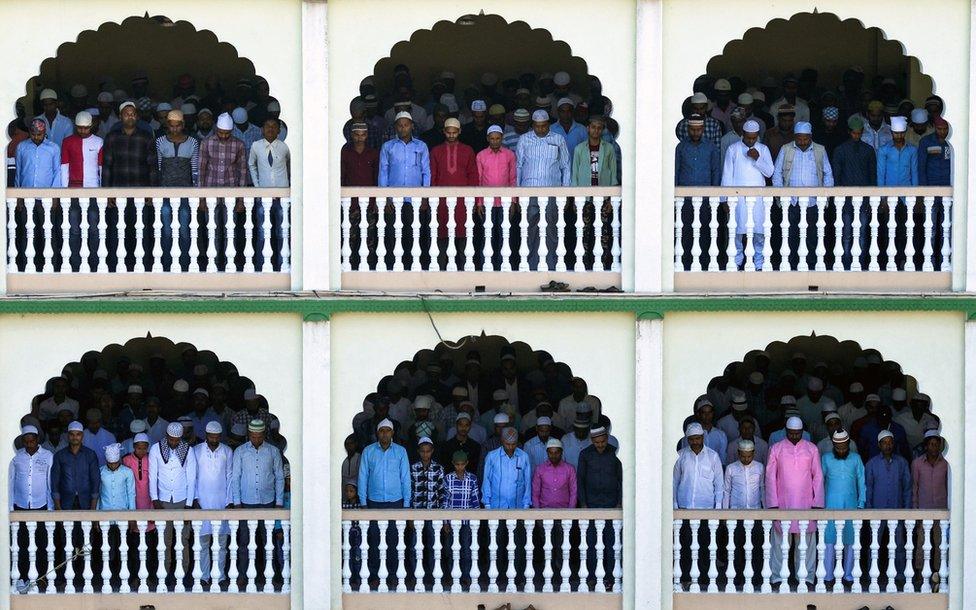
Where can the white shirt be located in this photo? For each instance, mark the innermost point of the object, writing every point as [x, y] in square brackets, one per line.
[739, 169]
[745, 486]
[213, 481]
[49, 409]
[698, 479]
[566, 413]
[762, 450]
[172, 481]
[267, 175]
[29, 479]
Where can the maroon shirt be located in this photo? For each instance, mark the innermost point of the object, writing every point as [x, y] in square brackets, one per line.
[359, 169]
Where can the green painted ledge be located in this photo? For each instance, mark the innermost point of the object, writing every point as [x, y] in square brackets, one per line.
[321, 306]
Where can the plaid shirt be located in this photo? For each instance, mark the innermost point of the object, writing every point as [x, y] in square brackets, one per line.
[130, 160]
[462, 493]
[427, 485]
[243, 417]
[222, 162]
[713, 131]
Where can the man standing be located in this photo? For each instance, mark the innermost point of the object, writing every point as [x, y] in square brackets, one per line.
[75, 478]
[118, 485]
[360, 164]
[404, 160]
[508, 475]
[747, 432]
[744, 486]
[38, 160]
[698, 479]
[269, 160]
[496, 167]
[97, 438]
[898, 160]
[257, 481]
[223, 161]
[129, 153]
[81, 156]
[554, 481]
[715, 438]
[452, 164]
[748, 163]
[696, 159]
[384, 472]
[930, 491]
[215, 465]
[780, 135]
[475, 133]
[461, 441]
[854, 162]
[58, 126]
[566, 126]
[426, 478]
[712, 128]
[877, 133]
[888, 485]
[594, 160]
[935, 156]
[29, 489]
[172, 483]
[794, 480]
[828, 133]
[844, 489]
[790, 89]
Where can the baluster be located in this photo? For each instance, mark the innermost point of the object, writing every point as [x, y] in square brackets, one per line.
[363, 231]
[598, 228]
[194, 250]
[730, 527]
[767, 204]
[543, 231]
[856, 203]
[175, 251]
[801, 553]
[821, 250]
[179, 570]
[910, 555]
[947, 234]
[856, 572]
[696, 203]
[712, 556]
[618, 545]
[821, 586]
[438, 526]
[469, 236]
[492, 555]
[69, 556]
[601, 575]
[731, 230]
[767, 572]
[890, 587]
[748, 527]
[266, 227]
[415, 245]
[12, 255]
[456, 550]
[944, 557]
[714, 204]
[838, 553]
[529, 551]
[197, 586]
[346, 524]
[140, 248]
[547, 571]
[524, 232]
[579, 252]
[32, 573]
[784, 570]
[874, 263]
[157, 248]
[363, 572]
[285, 203]
[564, 570]
[560, 234]
[418, 528]
[346, 230]
[873, 568]
[676, 551]
[86, 559]
[928, 205]
[232, 554]
[124, 586]
[286, 556]
[161, 557]
[248, 235]
[30, 229]
[475, 574]
[451, 250]
[15, 555]
[252, 551]
[106, 569]
[838, 203]
[47, 207]
[784, 228]
[401, 549]
[143, 573]
[927, 556]
[615, 236]
[210, 254]
[510, 564]
[268, 556]
[398, 230]
[695, 568]
[49, 588]
[380, 234]
[893, 204]
[804, 225]
[506, 235]
[750, 251]
[910, 203]
[65, 266]
[679, 226]
[102, 204]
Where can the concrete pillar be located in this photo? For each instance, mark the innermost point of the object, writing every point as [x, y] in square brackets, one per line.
[316, 233]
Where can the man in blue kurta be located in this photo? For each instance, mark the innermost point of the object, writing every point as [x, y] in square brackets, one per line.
[898, 161]
[888, 483]
[118, 483]
[38, 160]
[384, 482]
[404, 160]
[844, 489]
[508, 475]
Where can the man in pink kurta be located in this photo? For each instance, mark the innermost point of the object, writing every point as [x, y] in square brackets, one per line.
[496, 167]
[138, 463]
[554, 481]
[452, 164]
[794, 481]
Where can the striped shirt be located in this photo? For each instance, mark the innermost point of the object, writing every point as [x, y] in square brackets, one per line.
[189, 149]
[543, 161]
[222, 162]
[462, 493]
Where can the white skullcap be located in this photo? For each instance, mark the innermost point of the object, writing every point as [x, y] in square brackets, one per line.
[803, 128]
[83, 119]
[920, 116]
[794, 423]
[386, 423]
[932, 434]
[403, 115]
[239, 115]
[540, 116]
[174, 430]
[745, 445]
[841, 436]
[885, 434]
[544, 420]
[113, 453]
[462, 415]
[142, 437]
[424, 440]
[495, 129]
[560, 78]
[872, 398]
[554, 443]
[699, 98]
[214, 427]
[815, 384]
[225, 122]
[788, 399]
[164, 107]
[565, 100]
[137, 425]
[479, 106]
[598, 431]
[451, 122]
[126, 104]
[423, 401]
[750, 126]
[745, 99]
[188, 108]
[501, 418]
[29, 430]
[48, 94]
[694, 429]
[76, 426]
[831, 416]
[181, 385]
[899, 124]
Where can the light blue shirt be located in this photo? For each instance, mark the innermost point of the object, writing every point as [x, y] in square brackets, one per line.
[404, 163]
[258, 476]
[59, 129]
[508, 480]
[200, 422]
[542, 161]
[118, 491]
[38, 166]
[384, 476]
[804, 171]
[898, 167]
[536, 450]
[575, 135]
[249, 136]
[844, 489]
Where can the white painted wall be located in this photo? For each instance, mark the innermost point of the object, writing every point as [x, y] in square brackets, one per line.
[929, 346]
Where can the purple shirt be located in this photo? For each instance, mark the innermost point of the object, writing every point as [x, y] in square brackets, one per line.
[554, 486]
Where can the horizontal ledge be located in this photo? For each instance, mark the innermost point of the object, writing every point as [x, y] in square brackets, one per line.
[811, 515]
[773, 191]
[144, 192]
[409, 514]
[236, 514]
[479, 191]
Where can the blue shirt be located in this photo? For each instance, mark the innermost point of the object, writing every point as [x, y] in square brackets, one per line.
[508, 480]
[934, 161]
[38, 166]
[575, 135]
[697, 164]
[843, 489]
[75, 475]
[59, 129]
[118, 489]
[404, 163]
[889, 483]
[258, 476]
[897, 167]
[542, 161]
[868, 440]
[384, 476]
[780, 435]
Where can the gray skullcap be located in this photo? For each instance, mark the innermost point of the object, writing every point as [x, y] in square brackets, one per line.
[462, 415]
[794, 423]
[872, 398]
[745, 445]
[238, 429]
[499, 395]
[750, 126]
[701, 401]
[510, 435]
[932, 434]
[554, 443]
[856, 387]
[29, 430]
[425, 440]
[136, 426]
[831, 415]
[699, 98]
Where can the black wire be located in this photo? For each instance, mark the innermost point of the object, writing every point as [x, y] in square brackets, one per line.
[446, 344]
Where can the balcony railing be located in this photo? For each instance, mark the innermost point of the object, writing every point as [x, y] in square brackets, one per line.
[494, 230]
[813, 229]
[482, 551]
[148, 231]
[118, 552]
[730, 552]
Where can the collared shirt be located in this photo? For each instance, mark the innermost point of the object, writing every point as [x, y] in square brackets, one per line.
[172, 481]
[876, 138]
[130, 159]
[404, 163]
[535, 447]
[97, 442]
[930, 483]
[898, 167]
[554, 486]
[49, 407]
[934, 161]
[543, 161]
[698, 479]
[214, 476]
[744, 486]
[29, 479]
[855, 163]
[508, 480]
[496, 168]
[75, 475]
[739, 169]
[259, 475]
[263, 174]
[359, 169]
[464, 493]
[713, 131]
[599, 478]
[574, 135]
[915, 428]
[118, 490]
[249, 136]
[81, 161]
[761, 451]
[58, 129]
[222, 162]
[697, 164]
[38, 166]
[812, 415]
[888, 483]
[426, 485]
[794, 477]
[844, 486]
[804, 170]
[140, 472]
[715, 439]
[384, 475]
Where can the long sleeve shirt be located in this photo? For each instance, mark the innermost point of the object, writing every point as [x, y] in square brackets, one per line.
[359, 169]
[804, 171]
[930, 483]
[543, 161]
[715, 439]
[855, 163]
[97, 442]
[573, 136]
[426, 485]
[81, 162]
[404, 163]
[38, 165]
[744, 486]
[58, 129]
[384, 475]
[140, 472]
[496, 167]
[844, 489]
[794, 477]
[888, 483]
[29, 479]
[761, 451]
[697, 164]
[739, 169]
[172, 481]
[876, 138]
[599, 478]
[75, 476]
[508, 480]
[462, 493]
[898, 167]
[222, 162]
[130, 159]
[713, 131]
[118, 491]
[214, 476]
[258, 475]
[271, 173]
[698, 479]
[453, 165]
[554, 486]
[934, 161]
[188, 149]
[535, 447]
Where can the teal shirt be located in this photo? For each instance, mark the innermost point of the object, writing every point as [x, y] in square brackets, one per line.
[118, 491]
[844, 488]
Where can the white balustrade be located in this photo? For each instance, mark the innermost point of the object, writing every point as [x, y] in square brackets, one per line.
[564, 570]
[418, 530]
[401, 550]
[547, 571]
[455, 555]
[510, 563]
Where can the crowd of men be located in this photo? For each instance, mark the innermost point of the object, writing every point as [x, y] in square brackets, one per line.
[797, 436]
[796, 133]
[153, 437]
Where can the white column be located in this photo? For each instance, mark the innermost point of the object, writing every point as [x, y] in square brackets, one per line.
[232, 571]
[927, 556]
[143, 559]
[890, 573]
[312, 583]
[138, 263]
[248, 235]
[713, 555]
[268, 556]
[750, 251]
[318, 230]
[49, 588]
[157, 249]
[713, 230]
[747, 572]
[286, 556]
[856, 229]
[475, 574]
[106, 569]
[506, 233]
[510, 568]
[928, 204]
[197, 586]
[821, 264]
[11, 236]
[65, 245]
[647, 591]
[469, 236]
[124, 586]
[346, 547]
[892, 251]
[492, 555]
[821, 555]
[648, 180]
[580, 203]
[838, 205]
[679, 226]
[286, 237]
[418, 565]
[529, 550]
[565, 526]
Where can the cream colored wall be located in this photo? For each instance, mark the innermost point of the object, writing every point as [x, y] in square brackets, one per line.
[599, 348]
[943, 52]
[929, 346]
[608, 54]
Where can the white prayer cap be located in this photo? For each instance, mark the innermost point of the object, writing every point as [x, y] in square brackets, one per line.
[186, 420]
[126, 104]
[479, 106]
[560, 79]
[510, 435]
[832, 415]
[499, 395]
[386, 423]
[872, 398]
[83, 119]
[174, 430]
[491, 128]
[462, 415]
[747, 446]
[105, 96]
[403, 115]
[201, 392]
[694, 429]
[113, 453]
[920, 116]
[225, 122]
[49, 94]
[181, 385]
[501, 418]
[759, 95]
[750, 126]
[856, 387]
[885, 434]
[424, 401]
[423, 440]
[29, 430]
[554, 443]
[788, 399]
[899, 394]
[565, 100]
[214, 427]
[933, 433]
[76, 426]
[451, 122]
[699, 98]
[544, 420]
[204, 111]
[794, 423]
[803, 128]
[239, 115]
[250, 394]
[839, 437]
[142, 437]
[164, 107]
[137, 425]
[898, 124]
[598, 431]
[134, 389]
[722, 85]
[540, 116]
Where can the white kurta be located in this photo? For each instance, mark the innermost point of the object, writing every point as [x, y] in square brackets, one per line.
[213, 481]
[744, 485]
[698, 479]
[741, 170]
[172, 481]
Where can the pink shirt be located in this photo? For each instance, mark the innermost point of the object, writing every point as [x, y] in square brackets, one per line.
[141, 475]
[554, 486]
[496, 168]
[794, 478]
[930, 483]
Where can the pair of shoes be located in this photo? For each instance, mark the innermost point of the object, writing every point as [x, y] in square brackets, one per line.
[588, 289]
[554, 286]
[613, 289]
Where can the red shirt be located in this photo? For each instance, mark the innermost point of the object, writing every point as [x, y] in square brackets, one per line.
[453, 165]
[359, 169]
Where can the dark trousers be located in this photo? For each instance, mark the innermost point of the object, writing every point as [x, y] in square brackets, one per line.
[373, 541]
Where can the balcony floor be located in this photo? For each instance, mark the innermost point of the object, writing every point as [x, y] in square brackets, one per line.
[167, 601]
[823, 601]
[468, 281]
[73, 283]
[801, 281]
[467, 601]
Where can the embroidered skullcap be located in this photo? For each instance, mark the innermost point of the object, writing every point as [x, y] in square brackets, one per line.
[786, 109]
[722, 85]
[174, 430]
[554, 443]
[794, 423]
[258, 425]
[126, 104]
[696, 120]
[694, 429]
[459, 391]
[188, 108]
[499, 395]
[204, 111]
[875, 106]
[164, 107]
[113, 453]
[831, 113]
[600, 431]
[510, 435]
[479, 106]
[496, 109]
[872, 398]
[462, 415]
[840, 437]
[214, 427]
[359, 127]
[521, 115]
[105, 96]
[540, 116]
